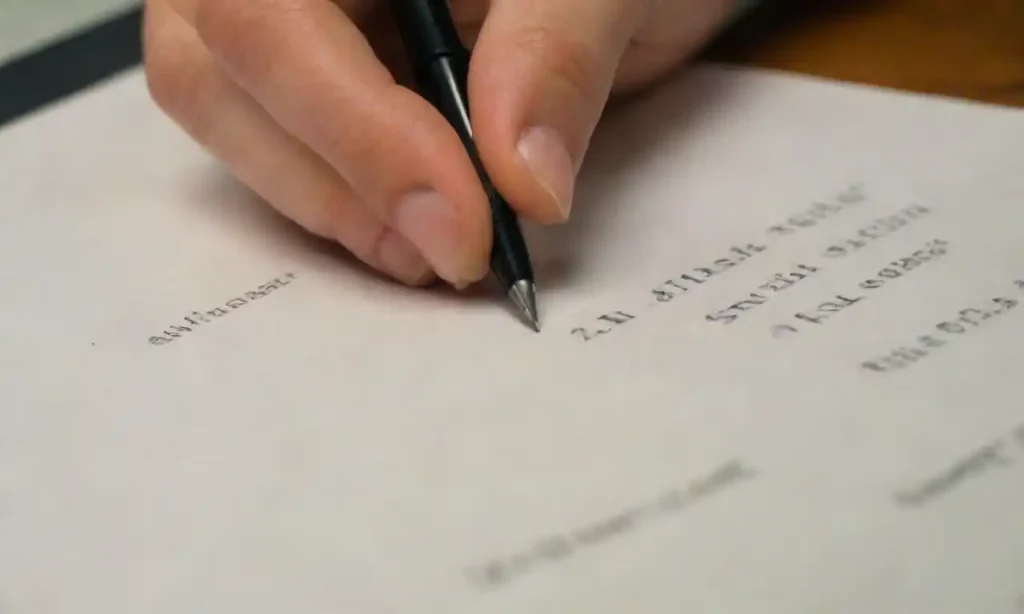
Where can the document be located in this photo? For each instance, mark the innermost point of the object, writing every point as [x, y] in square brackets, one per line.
[780, 371]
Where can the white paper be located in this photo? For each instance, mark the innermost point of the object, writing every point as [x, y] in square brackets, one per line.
[341, 444]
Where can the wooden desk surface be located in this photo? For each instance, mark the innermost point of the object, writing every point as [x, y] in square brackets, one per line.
[970, 49]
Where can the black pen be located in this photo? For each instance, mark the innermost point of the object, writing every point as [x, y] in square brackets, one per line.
[440, 63]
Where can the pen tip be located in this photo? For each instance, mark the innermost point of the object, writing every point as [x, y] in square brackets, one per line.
[524, 294]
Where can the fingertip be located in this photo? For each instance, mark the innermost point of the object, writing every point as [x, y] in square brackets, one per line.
[399, 258]
[454, 238]
[453, 216]
[543, 151]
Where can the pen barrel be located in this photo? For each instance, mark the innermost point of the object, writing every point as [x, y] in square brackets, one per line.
[427, 30]
[440, 64]
[443, 84]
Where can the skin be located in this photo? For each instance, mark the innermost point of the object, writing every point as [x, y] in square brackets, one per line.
[308, 103]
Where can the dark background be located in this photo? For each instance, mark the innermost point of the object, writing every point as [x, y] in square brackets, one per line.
[964, 48]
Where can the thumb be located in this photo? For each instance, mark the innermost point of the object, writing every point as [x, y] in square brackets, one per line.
[540, 77]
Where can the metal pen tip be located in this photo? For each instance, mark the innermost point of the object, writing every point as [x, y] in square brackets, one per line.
[524, 294]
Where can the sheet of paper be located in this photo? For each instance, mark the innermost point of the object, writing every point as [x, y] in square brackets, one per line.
[779, 372]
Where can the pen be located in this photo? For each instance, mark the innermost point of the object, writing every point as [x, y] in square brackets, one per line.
[440, 65]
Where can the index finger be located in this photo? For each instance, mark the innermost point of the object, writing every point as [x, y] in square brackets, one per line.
[312, 69]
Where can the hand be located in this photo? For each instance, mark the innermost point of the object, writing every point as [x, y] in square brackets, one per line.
[302, 100]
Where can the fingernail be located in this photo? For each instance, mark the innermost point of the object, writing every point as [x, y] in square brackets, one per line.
[428, 221]
[401, 259]
[545, 154]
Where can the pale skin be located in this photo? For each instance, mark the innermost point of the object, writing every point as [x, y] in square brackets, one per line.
[307, 102]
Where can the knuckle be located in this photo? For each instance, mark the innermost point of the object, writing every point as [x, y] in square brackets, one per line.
[570, 60]
[352, 140]
[178, 85]
[217, 22]
[357, 10]
[168, 77]
[246, 36]
[233, 30]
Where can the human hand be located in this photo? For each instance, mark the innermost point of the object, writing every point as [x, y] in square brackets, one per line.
[302, 100]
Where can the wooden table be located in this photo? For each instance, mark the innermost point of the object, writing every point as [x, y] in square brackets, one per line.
[970, 49]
